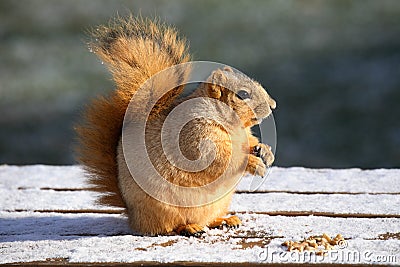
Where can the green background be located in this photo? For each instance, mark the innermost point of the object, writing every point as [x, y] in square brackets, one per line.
[332, 66]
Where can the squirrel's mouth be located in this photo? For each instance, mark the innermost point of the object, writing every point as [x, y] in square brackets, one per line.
[256, 120]
[259, 120]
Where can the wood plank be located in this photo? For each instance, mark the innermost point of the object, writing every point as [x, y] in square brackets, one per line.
[361, 205]
[48, 200]
[31, 226]
[106, 238]
[297, 179]
[293, 179]
[37, 176]
[260, 202]
[169, 249]
[334, 203]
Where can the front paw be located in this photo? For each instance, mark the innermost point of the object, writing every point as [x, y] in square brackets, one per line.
[256, 166]
[264, 152]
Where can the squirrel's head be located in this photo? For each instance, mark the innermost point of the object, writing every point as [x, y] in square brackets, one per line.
[245, 96]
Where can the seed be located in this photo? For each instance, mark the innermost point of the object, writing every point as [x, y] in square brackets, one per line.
[312, 243]
[326, 237]
[338, 238]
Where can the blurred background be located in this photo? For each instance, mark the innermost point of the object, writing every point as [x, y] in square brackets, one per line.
[332, 66]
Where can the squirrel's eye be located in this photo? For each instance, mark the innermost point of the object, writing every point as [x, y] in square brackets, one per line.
[242, 94]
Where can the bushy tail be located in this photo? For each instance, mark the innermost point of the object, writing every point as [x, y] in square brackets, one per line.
[134, 49]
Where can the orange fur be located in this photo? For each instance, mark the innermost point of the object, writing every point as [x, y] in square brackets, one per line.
[135, 49]
[125, 46]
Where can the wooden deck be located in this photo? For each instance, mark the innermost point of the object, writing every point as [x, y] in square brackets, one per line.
[48, 217]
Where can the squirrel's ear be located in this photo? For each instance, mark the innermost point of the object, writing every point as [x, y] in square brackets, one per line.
[227, 68]
[214, 88]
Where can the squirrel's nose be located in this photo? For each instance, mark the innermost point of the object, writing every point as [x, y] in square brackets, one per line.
[271, 103]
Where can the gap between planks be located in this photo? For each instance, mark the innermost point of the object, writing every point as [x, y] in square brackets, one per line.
[236, 192]
[65, 262]
[269, 213]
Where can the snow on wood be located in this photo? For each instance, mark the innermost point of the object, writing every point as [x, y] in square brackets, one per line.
[38, 176]
[335, 203]
[106, 238]
[297, 179]
[258, 202]
[33, 199]
[293, 179]
[32, 226]
[166, 249]
[87, 233]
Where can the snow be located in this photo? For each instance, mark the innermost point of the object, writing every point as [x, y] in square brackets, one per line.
[46, 212]
[33, 199]
[298, 179]
[294, 179]
[38, 176]
[50, 200]
[33, 226]
[69, 236]
[336, 203]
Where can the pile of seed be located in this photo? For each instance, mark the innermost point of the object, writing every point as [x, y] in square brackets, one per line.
[319, 244]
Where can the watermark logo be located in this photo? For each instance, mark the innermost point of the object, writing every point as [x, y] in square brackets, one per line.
[170, 148]
[341, 254]
[342, 244]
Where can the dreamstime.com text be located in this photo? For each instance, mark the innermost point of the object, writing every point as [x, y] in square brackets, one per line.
[336, 256]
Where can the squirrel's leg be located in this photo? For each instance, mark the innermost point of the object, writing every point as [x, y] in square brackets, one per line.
[253, 141]
[190, 229]
[232, 221]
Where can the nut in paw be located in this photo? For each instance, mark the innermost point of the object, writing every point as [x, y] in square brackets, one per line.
[264, 152]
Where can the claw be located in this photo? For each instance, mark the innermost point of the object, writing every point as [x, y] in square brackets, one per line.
[257, 151]
[190, 230]
[189, 234]
[230, 222]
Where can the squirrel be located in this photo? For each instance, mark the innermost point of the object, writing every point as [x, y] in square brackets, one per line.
[135, 49]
